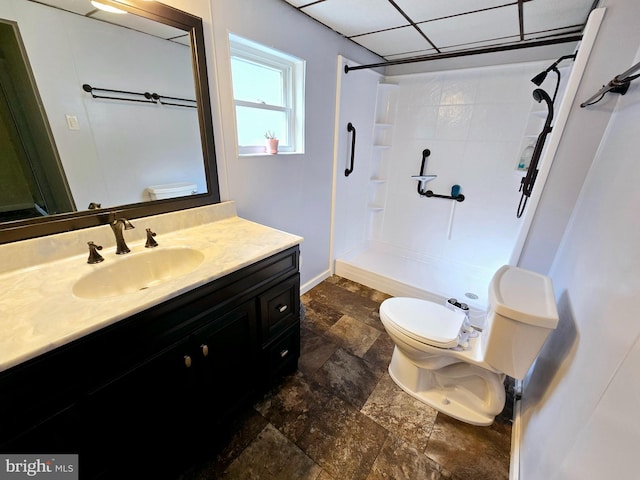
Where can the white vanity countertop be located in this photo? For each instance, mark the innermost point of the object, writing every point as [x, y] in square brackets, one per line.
[39, 312]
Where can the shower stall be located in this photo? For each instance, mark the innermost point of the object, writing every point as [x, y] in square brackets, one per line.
[479, 126]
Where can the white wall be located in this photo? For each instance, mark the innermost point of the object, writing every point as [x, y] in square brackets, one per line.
[580, 404]
[287, 191]
[357, 104]
[613, 52]
[97, 158]
[473, 121]
[580, 417]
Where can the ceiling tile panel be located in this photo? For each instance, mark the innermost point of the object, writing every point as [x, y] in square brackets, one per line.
[546, 14]
[552, 33]
[298, 3]
[483, 44]
[389, 42]
[419, 53]
[473, 27]
[452, 25]
[356, 17]
[423, 10]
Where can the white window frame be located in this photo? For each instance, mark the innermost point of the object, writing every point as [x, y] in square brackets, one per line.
[293, 75]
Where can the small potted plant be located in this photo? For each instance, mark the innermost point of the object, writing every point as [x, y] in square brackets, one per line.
[271, 141]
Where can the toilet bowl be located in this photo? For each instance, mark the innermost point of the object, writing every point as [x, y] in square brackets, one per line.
[441, 361]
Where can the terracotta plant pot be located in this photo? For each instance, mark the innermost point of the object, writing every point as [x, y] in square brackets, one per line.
[272, 145]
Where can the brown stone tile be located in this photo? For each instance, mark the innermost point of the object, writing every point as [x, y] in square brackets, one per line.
[315, 350]
[468, 451]
[243, 431]
[325, 476]
[348, 377]
[319, 317]
[400, 413]
[288, 407]
[341, 440]
[271, 456]
[379, 355]
[330, 431]
[400, 461]
[360, 289]
[353, 335]
[348, 303]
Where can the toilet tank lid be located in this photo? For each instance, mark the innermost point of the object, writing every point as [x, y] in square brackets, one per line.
[524, 296]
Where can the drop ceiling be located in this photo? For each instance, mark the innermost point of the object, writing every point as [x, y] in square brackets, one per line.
[398, 30]
[133, 22]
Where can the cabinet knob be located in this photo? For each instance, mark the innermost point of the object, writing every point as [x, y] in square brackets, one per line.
[187, 361]
[204, 348]
[284, 353]
[282, 308]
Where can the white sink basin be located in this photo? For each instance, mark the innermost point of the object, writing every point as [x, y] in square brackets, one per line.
[137, 271]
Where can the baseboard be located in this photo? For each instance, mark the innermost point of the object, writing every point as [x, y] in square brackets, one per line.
[314, 281]
[383, 283]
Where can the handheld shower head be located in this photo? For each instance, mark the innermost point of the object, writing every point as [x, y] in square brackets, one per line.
[539, 95]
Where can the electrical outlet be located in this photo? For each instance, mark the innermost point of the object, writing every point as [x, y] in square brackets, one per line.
[72, 122]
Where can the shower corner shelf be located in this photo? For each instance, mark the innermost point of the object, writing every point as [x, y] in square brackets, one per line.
[375, 208]
[378, 180]
[382, 125]
[381, 147]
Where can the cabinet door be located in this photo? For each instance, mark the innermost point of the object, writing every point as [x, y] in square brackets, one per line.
[148, 409]
[227, 358]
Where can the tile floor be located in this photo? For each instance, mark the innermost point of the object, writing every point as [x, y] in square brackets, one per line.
[341, 417]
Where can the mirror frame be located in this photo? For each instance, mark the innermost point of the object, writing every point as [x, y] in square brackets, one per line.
[38, 227]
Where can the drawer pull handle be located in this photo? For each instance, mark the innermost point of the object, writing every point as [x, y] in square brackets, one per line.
[282, 308]
[204, 349]
[284, 353]
[187, 361]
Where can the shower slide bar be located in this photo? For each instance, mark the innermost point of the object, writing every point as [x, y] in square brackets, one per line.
[351, 128]
[148, 97]
[619, 84]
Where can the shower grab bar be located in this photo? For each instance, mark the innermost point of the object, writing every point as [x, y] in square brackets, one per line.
[351, 128]
[457, 198]
[423, 179]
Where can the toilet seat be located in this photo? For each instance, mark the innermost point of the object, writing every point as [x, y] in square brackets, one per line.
[424, 321]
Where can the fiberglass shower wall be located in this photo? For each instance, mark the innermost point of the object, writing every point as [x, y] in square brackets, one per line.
[476, 123]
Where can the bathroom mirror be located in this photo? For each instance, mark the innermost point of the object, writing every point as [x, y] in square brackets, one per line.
[154, 126]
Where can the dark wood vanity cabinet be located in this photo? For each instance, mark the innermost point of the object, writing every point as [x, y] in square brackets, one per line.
[164, 381]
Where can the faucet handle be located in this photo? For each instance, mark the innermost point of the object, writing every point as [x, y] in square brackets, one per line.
[150, 240]
[94, 256]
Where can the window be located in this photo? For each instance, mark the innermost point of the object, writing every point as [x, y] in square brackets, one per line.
[268, 91]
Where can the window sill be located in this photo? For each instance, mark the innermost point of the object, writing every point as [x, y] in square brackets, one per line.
[263, 154]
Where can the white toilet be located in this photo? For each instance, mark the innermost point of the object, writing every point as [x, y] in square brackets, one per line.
[442, 361]
[171, 190]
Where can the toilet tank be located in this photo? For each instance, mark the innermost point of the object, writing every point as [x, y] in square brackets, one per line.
[522, 313]
[171, 190]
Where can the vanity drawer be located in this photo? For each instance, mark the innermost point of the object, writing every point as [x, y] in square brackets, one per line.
[279, 307]
[282, 356]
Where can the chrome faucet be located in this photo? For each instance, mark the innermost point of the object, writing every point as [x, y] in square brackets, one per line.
[117, 225]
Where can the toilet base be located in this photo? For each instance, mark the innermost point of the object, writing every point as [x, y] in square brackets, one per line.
[476, 405]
